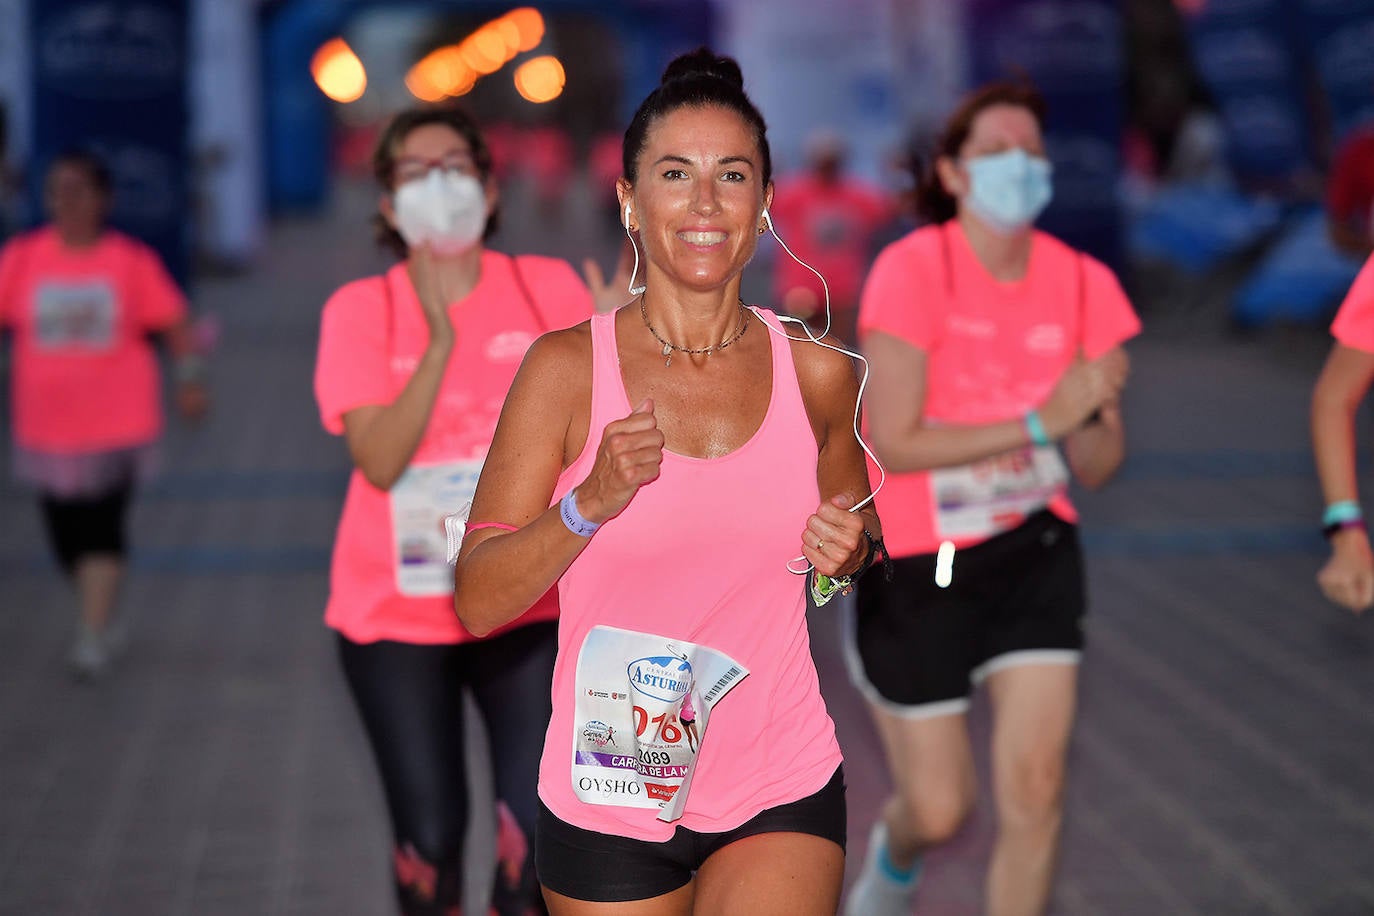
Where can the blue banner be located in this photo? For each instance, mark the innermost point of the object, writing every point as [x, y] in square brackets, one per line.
[109, 76]
[1340, 36]
[1248, 53]
[1073, 52]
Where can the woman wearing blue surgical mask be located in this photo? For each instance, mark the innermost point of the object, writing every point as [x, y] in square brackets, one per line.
[413, 368]
[997, 370]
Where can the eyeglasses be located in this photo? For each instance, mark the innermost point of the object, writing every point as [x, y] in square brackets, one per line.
[410, 168]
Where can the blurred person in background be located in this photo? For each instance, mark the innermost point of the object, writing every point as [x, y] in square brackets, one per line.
[991, 343]
[413, 367]
[658, 427]
[1347, 578]
[1350, 194]
[830, 220]
[81, 300]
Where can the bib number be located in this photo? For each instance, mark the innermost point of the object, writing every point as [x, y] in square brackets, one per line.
[996, 494]
[420, 500]
[640, 715]
[75, 315]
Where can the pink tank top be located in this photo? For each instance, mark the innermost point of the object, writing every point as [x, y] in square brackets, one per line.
[700, 555]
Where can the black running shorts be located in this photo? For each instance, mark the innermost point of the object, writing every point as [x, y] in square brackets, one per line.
[917, 649]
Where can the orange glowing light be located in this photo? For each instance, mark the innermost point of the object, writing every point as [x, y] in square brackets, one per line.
[441, 72]
[540, 79]
[338, 71]
[529, 23]
[476, 55]
[510, 34]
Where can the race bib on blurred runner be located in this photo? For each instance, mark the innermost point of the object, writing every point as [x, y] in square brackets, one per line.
[420, 500]
[996, 494]
[75, 315]
[641, 712]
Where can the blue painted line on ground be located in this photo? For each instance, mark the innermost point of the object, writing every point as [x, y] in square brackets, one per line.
[315, 483]
[1145, 544]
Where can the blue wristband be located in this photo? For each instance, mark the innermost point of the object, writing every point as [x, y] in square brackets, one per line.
[1347, 510]
[567, 508]
[1035, 428]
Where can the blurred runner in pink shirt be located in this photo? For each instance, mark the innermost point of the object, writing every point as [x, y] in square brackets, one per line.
[81, 300]
[1348, 576]
[992, 345]
[829, 219]
[413, 368]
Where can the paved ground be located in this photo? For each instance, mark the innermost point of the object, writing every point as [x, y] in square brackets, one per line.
[1224, 764]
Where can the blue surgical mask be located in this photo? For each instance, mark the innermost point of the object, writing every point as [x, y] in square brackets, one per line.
[1008, 190]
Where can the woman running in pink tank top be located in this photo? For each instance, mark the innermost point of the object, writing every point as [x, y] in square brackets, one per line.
[663, 465]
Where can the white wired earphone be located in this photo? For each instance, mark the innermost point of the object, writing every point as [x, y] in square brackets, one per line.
[811, 336]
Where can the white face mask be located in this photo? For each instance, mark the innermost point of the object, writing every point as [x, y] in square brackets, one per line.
[446, 210]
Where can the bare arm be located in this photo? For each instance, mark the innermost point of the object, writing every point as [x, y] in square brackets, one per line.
[1348, 577]
[830, 389]
[499, 574]
[383, 438]
[896, 406]
[1095, 451]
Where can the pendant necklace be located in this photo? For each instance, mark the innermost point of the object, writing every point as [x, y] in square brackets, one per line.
[668, 348]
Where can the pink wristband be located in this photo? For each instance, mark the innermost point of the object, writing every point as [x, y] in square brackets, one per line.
[470, 527]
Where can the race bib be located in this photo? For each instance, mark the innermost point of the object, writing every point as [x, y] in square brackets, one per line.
[75, 315]
[640, 715]
[996, 494]
[420, 500]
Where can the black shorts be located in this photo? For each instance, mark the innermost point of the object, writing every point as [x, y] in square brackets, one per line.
[600, 867]
[917, 649]
[86, 525]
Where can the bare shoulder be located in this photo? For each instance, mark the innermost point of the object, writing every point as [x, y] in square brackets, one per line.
[824, 372]
[558, 363]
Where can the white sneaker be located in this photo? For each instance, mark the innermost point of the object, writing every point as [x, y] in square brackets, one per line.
[89, 656]
[881, 890]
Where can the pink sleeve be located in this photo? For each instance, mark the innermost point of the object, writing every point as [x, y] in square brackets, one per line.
[896, 298]
[158, 301]
[1354, 324]
[351, 367]
[1108, 318]
[9, 281]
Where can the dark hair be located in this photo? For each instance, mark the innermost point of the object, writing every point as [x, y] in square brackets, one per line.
[696, 79]
[932, 200]
[85, 160]
[384, 160]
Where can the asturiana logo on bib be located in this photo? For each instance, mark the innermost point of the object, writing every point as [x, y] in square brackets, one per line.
[663, 677]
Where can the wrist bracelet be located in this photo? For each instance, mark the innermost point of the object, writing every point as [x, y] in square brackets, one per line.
[1035, 428]
[1346, 510]
[1335, 528]
[567, 510]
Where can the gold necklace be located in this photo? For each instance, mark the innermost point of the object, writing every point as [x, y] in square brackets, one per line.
[668, 348]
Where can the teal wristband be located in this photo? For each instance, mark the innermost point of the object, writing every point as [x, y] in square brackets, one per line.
[1035, 428]
[1347, 510]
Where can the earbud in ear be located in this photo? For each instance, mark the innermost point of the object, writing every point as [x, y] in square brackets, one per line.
[767, 220]
[626, 220]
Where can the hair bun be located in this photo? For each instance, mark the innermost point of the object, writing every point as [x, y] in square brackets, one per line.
[703, 63]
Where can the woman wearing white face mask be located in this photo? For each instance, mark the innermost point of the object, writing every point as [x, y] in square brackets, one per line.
[991, 343]
[413, 368]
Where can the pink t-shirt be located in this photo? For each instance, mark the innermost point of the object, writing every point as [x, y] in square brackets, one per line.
[1354, 324]
[700, 555]
[372, 335]
[85, 375]
[829, 226]
[994, 350]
